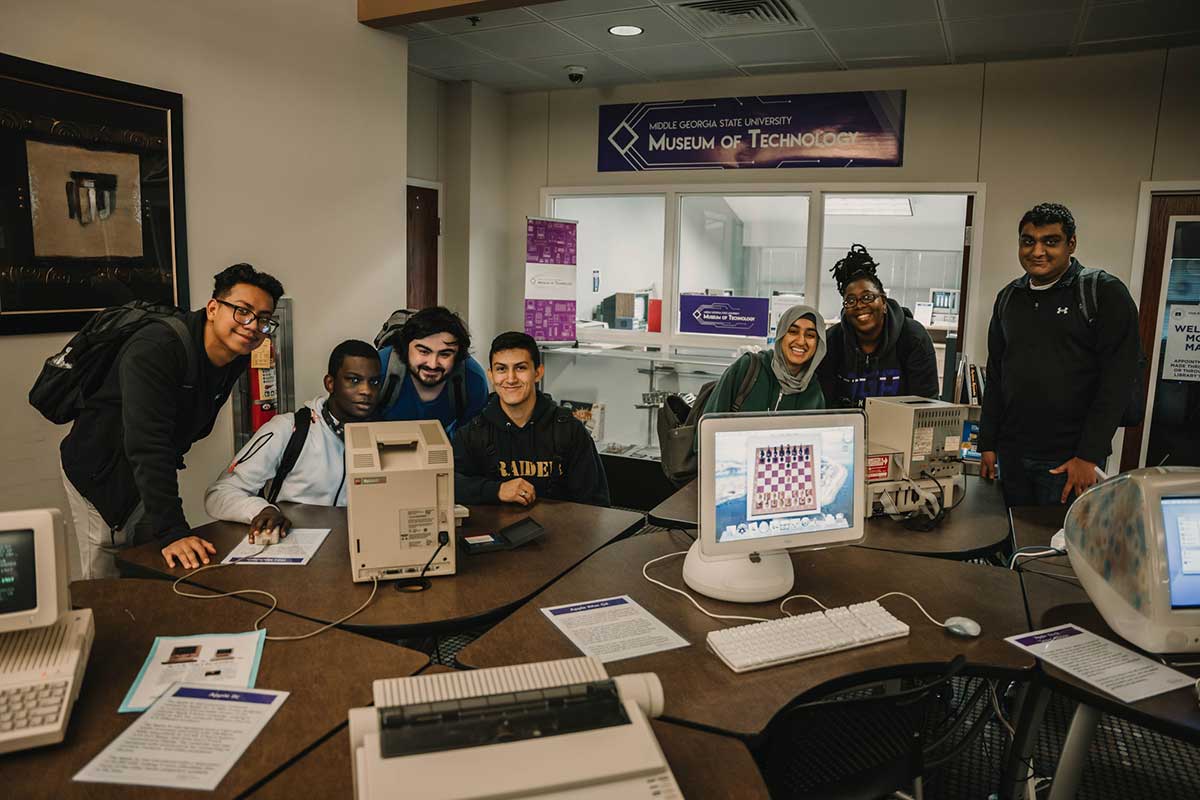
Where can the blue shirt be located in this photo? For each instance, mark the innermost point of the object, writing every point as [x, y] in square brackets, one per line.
[408, 404]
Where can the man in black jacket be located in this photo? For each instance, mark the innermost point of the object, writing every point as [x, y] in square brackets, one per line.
[120, 459]
[1057, 382]
[523, 446]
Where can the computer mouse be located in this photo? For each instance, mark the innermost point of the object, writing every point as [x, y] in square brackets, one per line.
[1059, 541]
[963, 626]
[268, 536]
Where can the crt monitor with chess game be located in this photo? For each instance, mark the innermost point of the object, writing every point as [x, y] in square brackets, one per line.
[1134, 543]
[44, 645]
[771, 483]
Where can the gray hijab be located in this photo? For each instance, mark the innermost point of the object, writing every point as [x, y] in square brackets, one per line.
[789, 383]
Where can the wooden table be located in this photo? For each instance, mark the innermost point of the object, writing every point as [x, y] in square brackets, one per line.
[977, 527]
[326, 675]
[485, 587]
[700, 690]
[706, 765]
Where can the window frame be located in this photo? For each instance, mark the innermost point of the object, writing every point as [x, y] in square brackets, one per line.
[670, 342]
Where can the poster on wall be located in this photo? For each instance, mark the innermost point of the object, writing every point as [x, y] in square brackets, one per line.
[726, 316]
[836, 129]
[550, 256]
[1182, 356]
[91, 170]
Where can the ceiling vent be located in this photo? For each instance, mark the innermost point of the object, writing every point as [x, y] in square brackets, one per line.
[712, 18]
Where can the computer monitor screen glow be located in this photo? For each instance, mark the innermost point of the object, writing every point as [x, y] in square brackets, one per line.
[1181, 524]
[18, 572]
[781, 481]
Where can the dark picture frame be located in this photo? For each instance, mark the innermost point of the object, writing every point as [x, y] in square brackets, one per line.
[92, 210]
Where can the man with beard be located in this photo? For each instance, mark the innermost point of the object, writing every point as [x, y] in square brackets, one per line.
[439, 379]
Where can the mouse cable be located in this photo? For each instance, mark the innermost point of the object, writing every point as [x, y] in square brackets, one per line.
[1032, 552]
[688, 596]
[785, 601]
[274, 601]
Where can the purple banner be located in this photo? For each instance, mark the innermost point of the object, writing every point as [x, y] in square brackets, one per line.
[729, 316]
[550, 320]
[549, 242]
[837, 129]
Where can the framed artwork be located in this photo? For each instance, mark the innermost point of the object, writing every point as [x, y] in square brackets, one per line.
[91, 196]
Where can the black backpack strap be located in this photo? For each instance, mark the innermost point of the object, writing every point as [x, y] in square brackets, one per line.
[192, 377]
[1088, 286]
[291, 453]
[1002, 304]
[748, 381]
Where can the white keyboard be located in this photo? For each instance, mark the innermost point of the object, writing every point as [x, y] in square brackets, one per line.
[780, 641]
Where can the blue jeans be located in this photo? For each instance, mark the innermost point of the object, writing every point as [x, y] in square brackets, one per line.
[1028, 482]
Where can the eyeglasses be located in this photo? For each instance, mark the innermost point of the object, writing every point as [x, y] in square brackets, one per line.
[866, 298]
[264, 323]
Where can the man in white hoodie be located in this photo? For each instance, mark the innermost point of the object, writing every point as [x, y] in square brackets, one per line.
[318, 476]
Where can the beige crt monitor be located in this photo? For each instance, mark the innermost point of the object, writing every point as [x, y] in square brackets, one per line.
[400, 489]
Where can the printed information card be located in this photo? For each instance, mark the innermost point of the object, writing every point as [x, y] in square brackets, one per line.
[296, 550]
[1111, 668]
[189, 739]
[226, 659]
[613, 628]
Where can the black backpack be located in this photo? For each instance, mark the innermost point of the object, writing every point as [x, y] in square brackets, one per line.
[1088, 297]
[677, 423]
[75, 373]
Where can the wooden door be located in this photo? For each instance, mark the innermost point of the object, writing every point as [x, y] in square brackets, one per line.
[1162, 209]
[424, 225]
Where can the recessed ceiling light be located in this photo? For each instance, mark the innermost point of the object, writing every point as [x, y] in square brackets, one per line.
[625, 30]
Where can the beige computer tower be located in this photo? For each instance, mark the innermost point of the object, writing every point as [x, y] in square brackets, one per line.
[925, 433]
[400, 483]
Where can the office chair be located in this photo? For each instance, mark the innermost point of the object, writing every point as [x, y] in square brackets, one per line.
[858, 748]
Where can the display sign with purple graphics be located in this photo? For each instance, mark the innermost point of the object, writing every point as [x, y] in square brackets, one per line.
[727, 316]
[836, 129]
[549, 241]
[550, 255]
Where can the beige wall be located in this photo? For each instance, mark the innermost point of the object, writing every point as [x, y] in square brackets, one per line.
[426, 119]
[1081, 131]
[295, 142]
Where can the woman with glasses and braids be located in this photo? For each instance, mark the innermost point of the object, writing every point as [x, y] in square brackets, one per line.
[877, 349]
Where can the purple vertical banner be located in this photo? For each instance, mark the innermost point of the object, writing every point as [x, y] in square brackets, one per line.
[550, 320]
[549, 241]
[726, 316]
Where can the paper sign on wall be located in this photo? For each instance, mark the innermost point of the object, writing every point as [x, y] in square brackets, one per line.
[550, 264]
[1181, 359]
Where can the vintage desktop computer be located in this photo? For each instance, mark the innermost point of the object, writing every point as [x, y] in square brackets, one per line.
[44, 645]
[400, 500]
[1134, 543]
[914, 453]
[771, 483]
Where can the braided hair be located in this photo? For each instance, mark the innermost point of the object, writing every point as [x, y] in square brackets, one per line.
[856, 265]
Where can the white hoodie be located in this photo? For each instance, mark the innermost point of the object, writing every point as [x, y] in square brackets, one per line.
[318, 478]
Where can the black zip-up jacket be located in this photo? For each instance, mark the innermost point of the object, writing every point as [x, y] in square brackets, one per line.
[1056, 386]
[129, 440]
[903, 364]
[553, 451]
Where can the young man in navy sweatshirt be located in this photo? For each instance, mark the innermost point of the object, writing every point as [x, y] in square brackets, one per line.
[523, 446]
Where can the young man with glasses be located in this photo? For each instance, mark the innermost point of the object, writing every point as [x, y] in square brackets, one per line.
[1058, 383]
[317, 475]
[877, 349]
[120, 459]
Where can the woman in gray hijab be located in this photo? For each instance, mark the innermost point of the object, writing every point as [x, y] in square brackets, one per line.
[785, 378]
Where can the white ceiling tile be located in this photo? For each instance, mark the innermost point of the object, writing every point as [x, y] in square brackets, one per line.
[793, 47]
[578, 8]
[978, 9]
[1147, 18]
[444, 51]
[1144, 43]
[526, 41]
[832, 14]
[415, 32]
[486, 21]
[891, 63]
[657, 26]
[601, 70]
[675, 59]
[784, 69]
[923, 39]
[497, 74]
[1044, 33]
